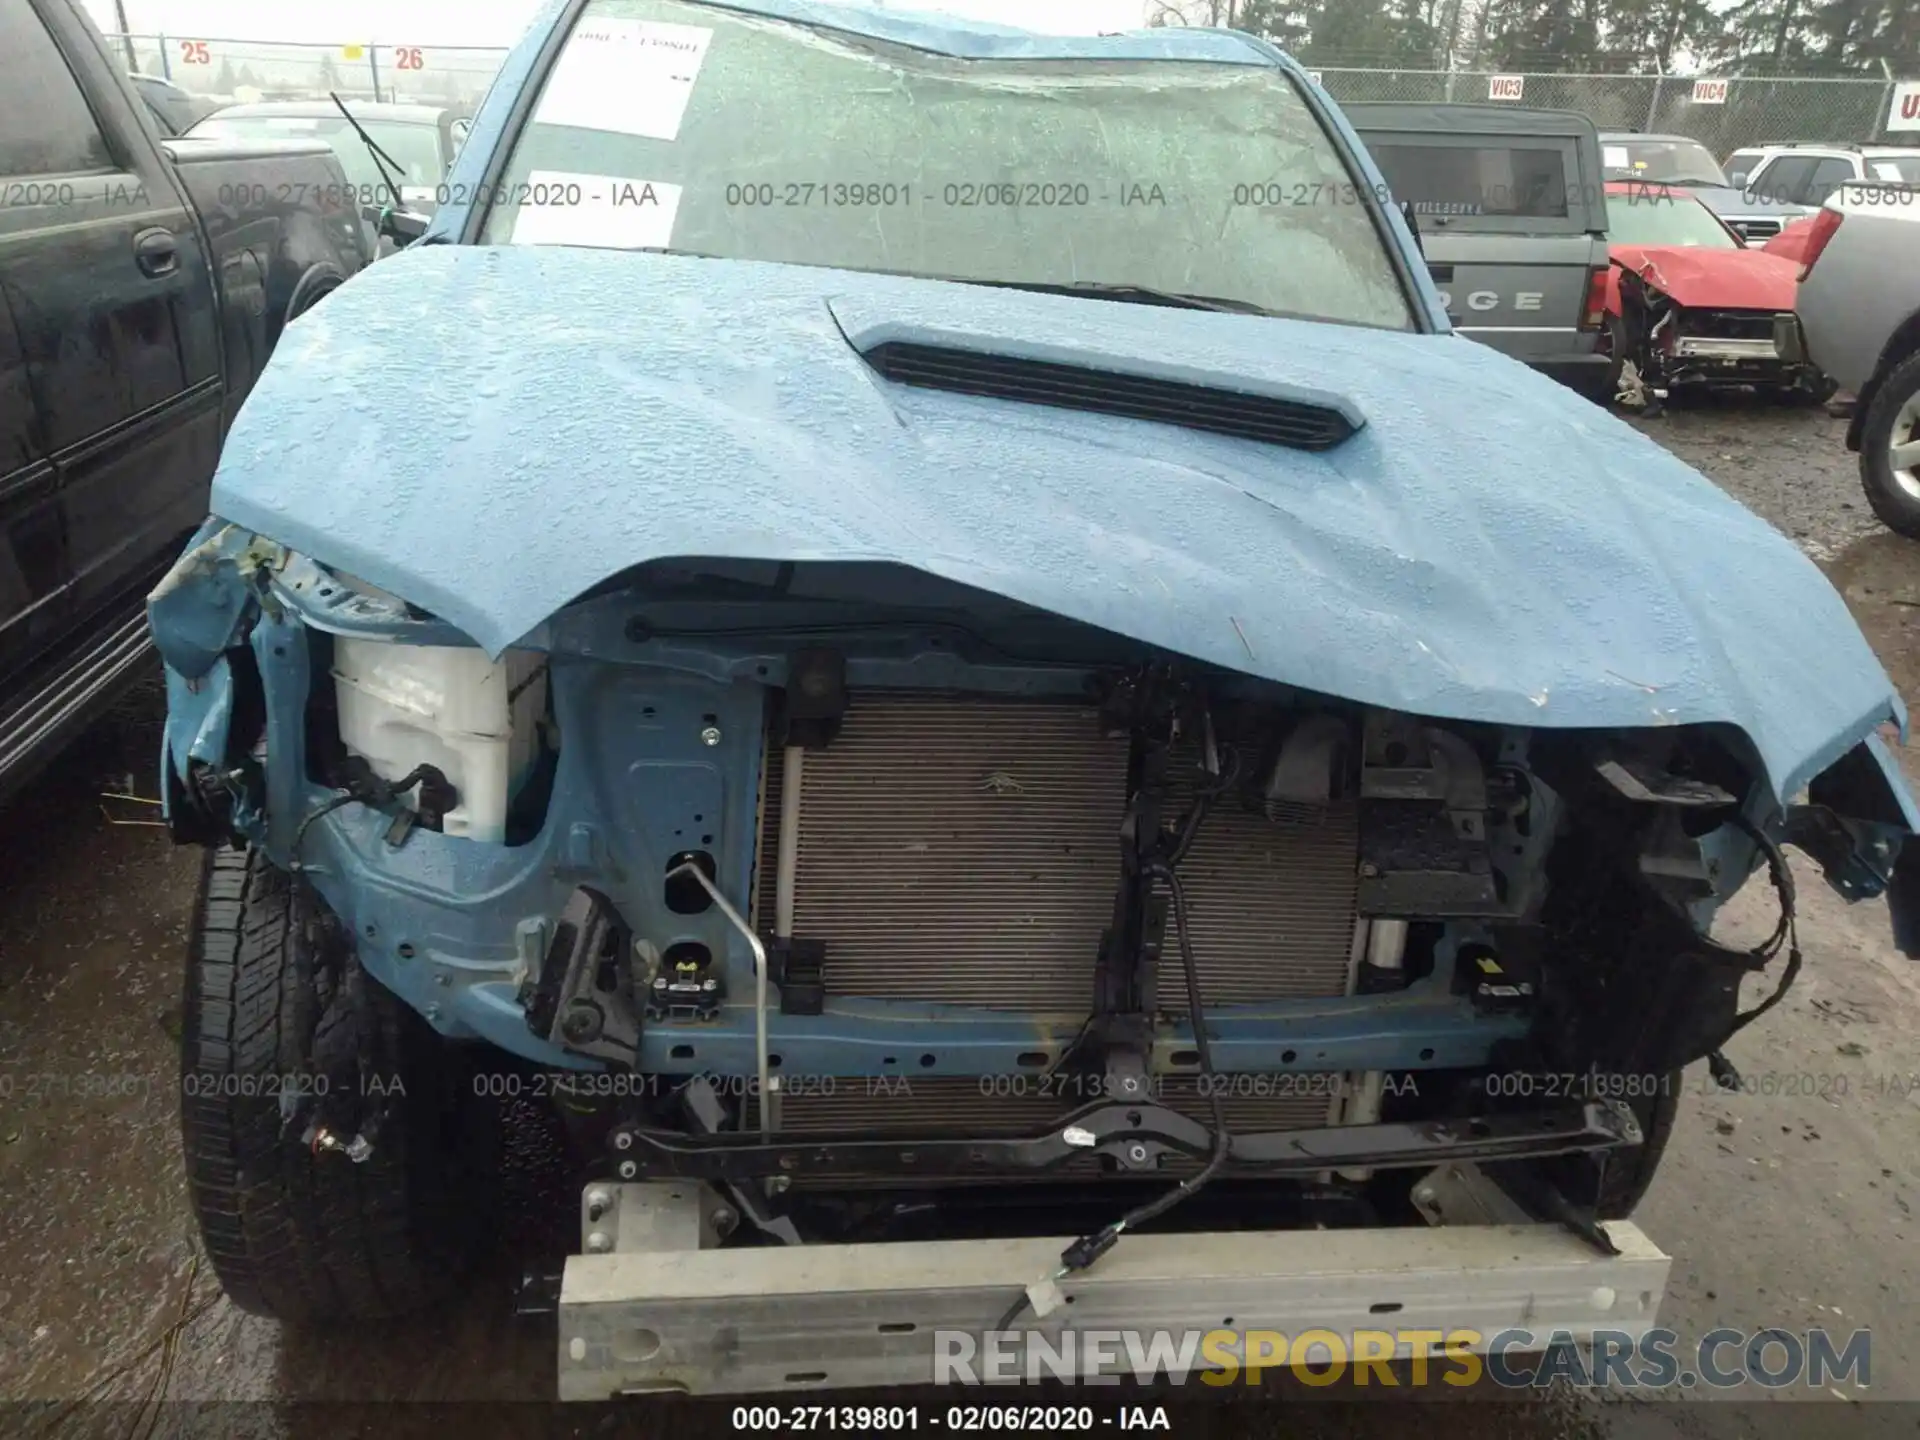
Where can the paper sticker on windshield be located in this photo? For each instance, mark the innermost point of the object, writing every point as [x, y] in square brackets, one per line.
[632, 77]
[558, 207]
[1886, 171]
[1614, 157]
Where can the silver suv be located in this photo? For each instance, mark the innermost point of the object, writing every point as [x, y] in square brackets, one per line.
[1682, 160]
[1806, 173]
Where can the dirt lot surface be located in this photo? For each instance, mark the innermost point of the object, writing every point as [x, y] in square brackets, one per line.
[1792, 1208]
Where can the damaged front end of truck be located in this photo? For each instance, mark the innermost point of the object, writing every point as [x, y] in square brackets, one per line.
[1084, 760]
[863, 904]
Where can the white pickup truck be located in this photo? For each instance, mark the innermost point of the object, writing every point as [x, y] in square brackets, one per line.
[1859, 304]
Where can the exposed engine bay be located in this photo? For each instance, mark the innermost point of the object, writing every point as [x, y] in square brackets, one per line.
[861, 909]
[1680, 345]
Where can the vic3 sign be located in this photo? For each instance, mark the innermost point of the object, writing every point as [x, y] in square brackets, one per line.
[1904, 113]
[1506, 87]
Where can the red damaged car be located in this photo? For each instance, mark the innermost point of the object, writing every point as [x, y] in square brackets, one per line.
[1692, 306]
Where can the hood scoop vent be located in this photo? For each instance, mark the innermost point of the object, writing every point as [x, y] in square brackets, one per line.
[1297, 424]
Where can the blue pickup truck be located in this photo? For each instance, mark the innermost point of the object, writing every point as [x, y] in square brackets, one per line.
[923, 635]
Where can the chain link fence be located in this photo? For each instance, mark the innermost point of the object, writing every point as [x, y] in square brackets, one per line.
[1724, 116]
[252, 70]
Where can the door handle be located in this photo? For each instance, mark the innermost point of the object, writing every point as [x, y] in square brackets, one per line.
[156, 253]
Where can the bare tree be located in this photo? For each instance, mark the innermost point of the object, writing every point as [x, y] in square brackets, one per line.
[1224, 14]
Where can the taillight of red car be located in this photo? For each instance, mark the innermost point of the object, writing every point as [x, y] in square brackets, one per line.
[1824, 224]
[1596, 311]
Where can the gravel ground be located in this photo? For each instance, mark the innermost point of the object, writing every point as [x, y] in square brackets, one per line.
[1789, 1210]
[1786, 463]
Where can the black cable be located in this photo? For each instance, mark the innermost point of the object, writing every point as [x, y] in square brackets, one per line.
[373, 792]
[1089, 1248]
[345, 797]
[1187, 828]
[1196, 1013]
[1785, 932]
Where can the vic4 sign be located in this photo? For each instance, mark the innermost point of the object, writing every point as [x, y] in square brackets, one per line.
[1710, 92]
[1506, 87]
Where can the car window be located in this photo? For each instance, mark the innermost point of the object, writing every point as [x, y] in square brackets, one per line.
[46, 126]
[1658, 215]
[413, 148]
[1489, 179]
[1784, 179]
[692, 128]
[1828, 175]
[1670, 162]
[1896, 167]
[1741, 165]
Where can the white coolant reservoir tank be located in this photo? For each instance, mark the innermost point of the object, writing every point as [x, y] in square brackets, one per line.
[474, 719]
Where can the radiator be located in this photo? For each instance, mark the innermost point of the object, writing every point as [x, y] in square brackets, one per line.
[966, 850]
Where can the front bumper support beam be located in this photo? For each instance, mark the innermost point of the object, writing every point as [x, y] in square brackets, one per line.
[667, 1316]
[1119, 1130]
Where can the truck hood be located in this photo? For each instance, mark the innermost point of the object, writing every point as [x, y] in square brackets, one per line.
[1714, 279]
[489, 432]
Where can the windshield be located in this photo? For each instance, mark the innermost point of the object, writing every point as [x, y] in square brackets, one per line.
[1894, 167]
[1655, 215]
[1671, 162]
[685, 127]
[414, 147]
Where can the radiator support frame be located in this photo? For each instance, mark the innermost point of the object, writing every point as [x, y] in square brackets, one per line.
[1113, 1128]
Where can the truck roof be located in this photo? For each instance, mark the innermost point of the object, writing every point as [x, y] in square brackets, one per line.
[958, 36]
[1494, 119]
[318, 109]
[1854, 147]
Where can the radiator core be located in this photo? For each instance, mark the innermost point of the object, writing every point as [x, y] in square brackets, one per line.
[966, 850]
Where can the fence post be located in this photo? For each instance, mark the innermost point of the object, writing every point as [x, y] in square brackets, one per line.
[373, 65]
[166, 65]
[1886, 100]
[1653, 104]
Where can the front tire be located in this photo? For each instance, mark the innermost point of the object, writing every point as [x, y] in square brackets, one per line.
[1630, 1171]
[283, 1034]
[1890, 450]
[1618, 344]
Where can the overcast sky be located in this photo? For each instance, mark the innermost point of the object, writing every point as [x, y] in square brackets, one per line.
[499, 22]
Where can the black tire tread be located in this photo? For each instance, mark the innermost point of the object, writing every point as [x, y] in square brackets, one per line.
[1896, 510]
[291, 1234]
[1629, 1172]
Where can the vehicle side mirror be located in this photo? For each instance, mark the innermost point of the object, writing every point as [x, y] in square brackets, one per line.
[1738, 179]
[403, 227]
[457, 132]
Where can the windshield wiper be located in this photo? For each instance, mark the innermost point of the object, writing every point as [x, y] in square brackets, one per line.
[373, 149]
[1138, 294]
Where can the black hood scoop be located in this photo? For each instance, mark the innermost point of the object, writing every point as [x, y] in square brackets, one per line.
[1273, 420]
